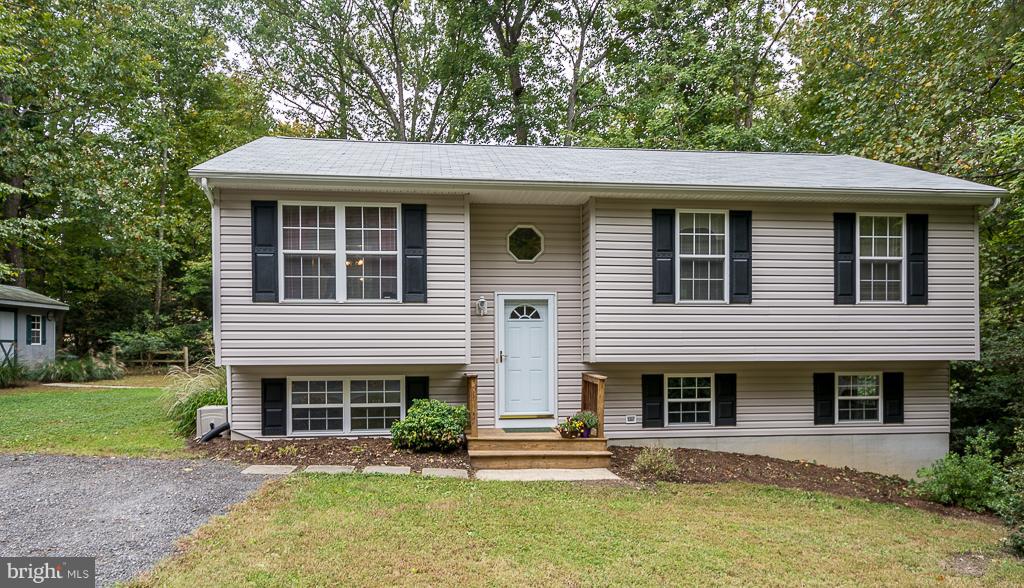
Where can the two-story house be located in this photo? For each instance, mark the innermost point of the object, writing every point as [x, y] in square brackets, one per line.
[795, 305]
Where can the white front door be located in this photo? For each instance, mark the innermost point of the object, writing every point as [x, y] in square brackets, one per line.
[526, 356]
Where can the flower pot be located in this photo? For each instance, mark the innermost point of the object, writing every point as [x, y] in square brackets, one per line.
[586, 433]
[565, 434]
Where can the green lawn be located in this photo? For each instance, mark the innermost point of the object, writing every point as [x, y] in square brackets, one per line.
[85, 421]
[318, 530]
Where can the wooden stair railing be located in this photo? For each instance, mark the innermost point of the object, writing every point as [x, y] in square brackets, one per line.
[592, 398]
[471, 404]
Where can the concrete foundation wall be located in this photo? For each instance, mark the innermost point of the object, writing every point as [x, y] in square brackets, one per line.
[900, 454]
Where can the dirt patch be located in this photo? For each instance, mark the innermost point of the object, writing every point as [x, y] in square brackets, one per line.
[329, 451]
[698, 466]
[966, 564]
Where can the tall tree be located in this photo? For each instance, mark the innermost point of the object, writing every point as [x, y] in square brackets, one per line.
[937, 86]
[373, 69]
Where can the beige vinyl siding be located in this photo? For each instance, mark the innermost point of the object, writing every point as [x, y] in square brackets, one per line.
[586, 284]
[776, 398]
[793, 317]
[557, 270]
[447, 383]
[344, 333]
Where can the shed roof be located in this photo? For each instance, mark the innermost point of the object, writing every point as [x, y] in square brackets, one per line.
[284, 158]
[18, 296]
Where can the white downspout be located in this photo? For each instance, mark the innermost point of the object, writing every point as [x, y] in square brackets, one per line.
[991, 209]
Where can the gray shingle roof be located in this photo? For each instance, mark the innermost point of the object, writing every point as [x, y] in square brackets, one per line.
[18, 296]
[324, 159]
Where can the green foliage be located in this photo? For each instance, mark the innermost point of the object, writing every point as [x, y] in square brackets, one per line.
[655, 463]
[11, 373]
[970, 480]
[197, 335]
[68, 368]
[1011, 505]
[431, 425]
[203, 385]
[588, 418]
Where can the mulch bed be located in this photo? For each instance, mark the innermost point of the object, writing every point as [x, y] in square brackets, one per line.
[697, 466]
[329, 451]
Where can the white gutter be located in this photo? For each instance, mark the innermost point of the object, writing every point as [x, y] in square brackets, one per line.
[205, 185]
[455, 185]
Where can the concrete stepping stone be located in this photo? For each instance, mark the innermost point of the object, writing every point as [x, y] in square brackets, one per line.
[269, 470]
[385, 469]
[330, 469]
[446, 473]
[544, 475]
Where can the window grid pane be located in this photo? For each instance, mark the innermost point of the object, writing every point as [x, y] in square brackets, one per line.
[371, 252]
[858, 397]
[702, 243]
[689, 400]
[376, 404]
[881, 258]
[318, 406]
[36, 329]
[308, 235]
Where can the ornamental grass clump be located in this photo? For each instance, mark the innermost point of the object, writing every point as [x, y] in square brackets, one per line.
[69, 368]
[655, 463]
[431, 425]
[203, 385]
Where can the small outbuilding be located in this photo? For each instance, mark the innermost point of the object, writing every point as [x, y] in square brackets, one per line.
[28, 326]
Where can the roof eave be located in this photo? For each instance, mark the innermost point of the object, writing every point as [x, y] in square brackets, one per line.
[46, 305]
[985, 196]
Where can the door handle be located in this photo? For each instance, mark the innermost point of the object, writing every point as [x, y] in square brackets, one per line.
[501, 356]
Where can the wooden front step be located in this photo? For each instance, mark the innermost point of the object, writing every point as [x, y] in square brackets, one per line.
[519, 459]
[499, 449]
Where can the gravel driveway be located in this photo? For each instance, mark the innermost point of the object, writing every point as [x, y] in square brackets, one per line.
[126, 512]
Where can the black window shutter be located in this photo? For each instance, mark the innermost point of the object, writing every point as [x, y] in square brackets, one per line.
[725, 400]
[663, 240]
[42, 328]
[28, 329]
[740, 249]
[892, 397]
[414, 253]
[416, 387]
[264, 251]
[917, 259]
[844, 225]
[274, 392]
[653, 390]
[824, 399]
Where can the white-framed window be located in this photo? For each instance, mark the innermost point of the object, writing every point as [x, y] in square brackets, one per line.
[858, 398]
[689, 399]
[344, 404]
[701, 255]
[340, 252]
[309, 250]
[371, 252]
[376, 403]
[35, 329]
[880, 257]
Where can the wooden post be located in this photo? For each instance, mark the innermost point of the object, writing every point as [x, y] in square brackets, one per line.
[184, 354]
[113, 354]
[471, 403]
[592, 398]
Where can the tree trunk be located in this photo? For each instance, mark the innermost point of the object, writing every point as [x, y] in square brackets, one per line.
[15, 254]
[159, 291]
[518, 116]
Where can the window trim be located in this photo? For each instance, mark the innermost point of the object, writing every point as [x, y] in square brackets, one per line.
[508, 248]
[666, 400]
[347, 405]
[340, 253]
[679, 256]
[33, 331]
[903, 257]
[835, 395]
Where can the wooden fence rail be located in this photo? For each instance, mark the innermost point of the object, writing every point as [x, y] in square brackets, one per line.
[592, 398]
[155, 358]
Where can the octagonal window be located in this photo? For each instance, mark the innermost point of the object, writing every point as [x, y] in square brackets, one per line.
[525, 243]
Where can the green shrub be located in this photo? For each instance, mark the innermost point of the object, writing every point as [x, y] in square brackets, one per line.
[431, 425]
[1010, 507]
[69, 368]
[11, 374]
[970, 480]
[655, 463]
[203, 385]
